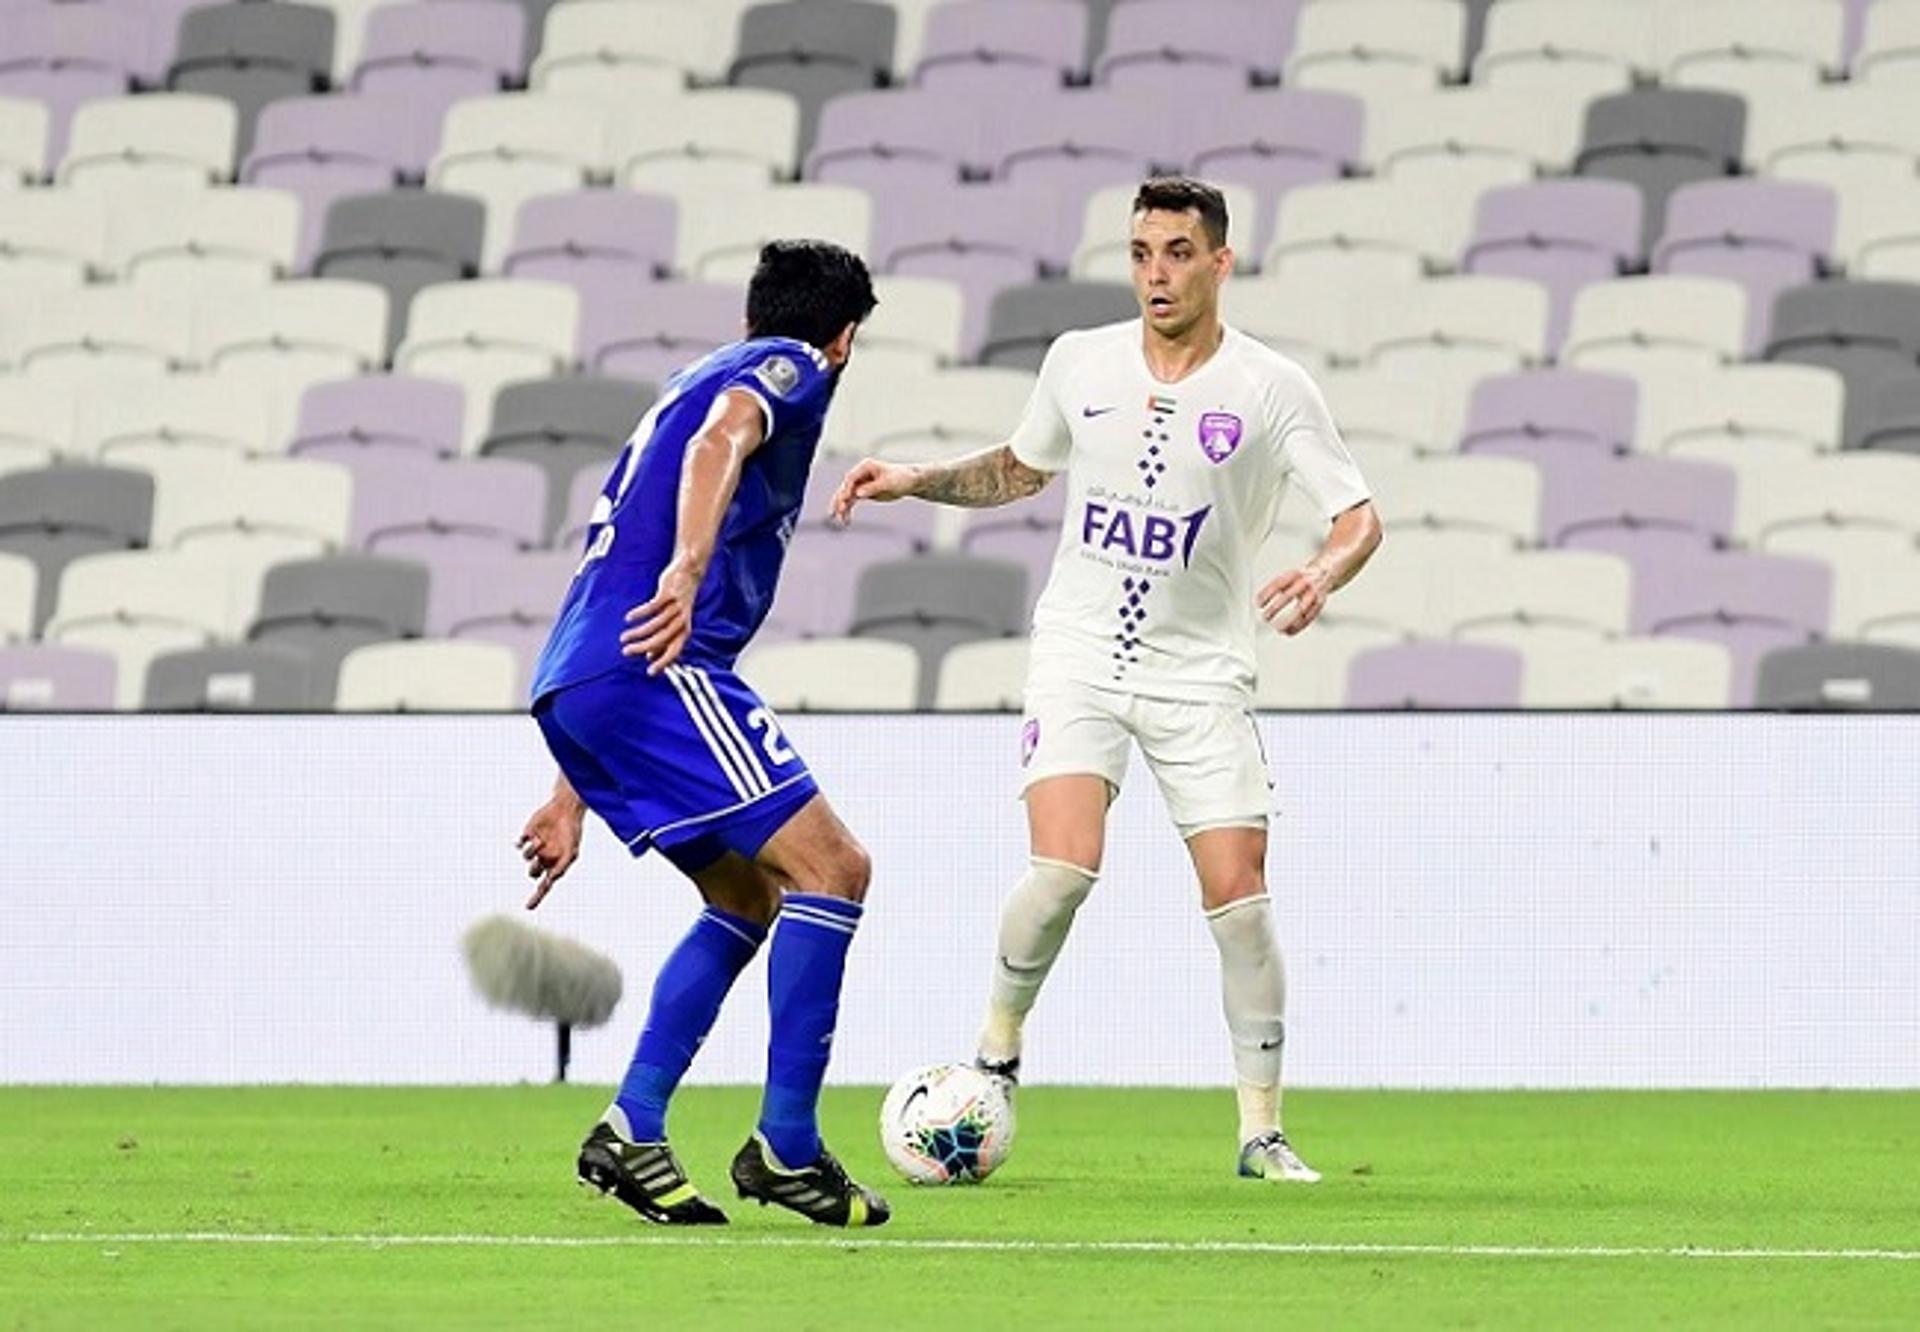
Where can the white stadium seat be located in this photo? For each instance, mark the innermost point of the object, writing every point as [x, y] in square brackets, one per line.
[188, 242]
[1753, 47]
[50, 238]
[1513, 125]
[1876, 575]
[1383, 413]
[649, 44]
[1589, 48]
[1317, 316]
[1376, 48]
[290, 336]
[755, 127]
[23, 142]
[183, 137]
[1473, 492]
[1454, 331]
[936, 416]
[19, 583]
[138, 604]
[1618, 672]
[38, 420]
[1381, 228]
[489, 333]
[508, 149]
[1584, 591]
[1657, 325]
[1864, 487]
[1309, 670]
[177, 412]
[1777, 410]
[834, 675]
[200, 499]
[1848, 136]
[429, 675]
[924, 316]
[721, 236]
[989, 676]
[105, 331]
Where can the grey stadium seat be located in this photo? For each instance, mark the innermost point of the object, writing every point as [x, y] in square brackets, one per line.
[1892, 417]
[53, 515]
[326, 607]
[1659, 139]
[402, 240]
[1858, 677]
[249, 677]
[936, 602]
[1027, 318]
[564, 426]
[252, 54]
[1868, 331]
[814, 50]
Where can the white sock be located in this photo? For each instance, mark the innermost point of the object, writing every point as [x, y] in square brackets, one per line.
[1033, 926]
[1253, 989]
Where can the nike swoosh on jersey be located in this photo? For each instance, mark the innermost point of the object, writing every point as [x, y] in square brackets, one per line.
[1090, 412]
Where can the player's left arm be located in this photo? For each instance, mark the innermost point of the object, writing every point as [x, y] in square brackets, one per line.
[658, 628]
[1295, 599]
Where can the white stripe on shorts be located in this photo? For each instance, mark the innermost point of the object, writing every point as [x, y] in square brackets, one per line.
[700, 724]
[725, 731]
[703, 681]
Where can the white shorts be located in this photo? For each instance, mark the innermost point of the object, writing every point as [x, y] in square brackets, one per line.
[1207, 757]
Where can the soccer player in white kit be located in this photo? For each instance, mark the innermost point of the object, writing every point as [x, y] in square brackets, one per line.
[1178, 436]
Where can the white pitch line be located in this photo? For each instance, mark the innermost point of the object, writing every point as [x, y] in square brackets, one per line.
[1305, 1249]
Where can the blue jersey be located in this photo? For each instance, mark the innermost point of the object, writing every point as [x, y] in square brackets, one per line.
[631, 537]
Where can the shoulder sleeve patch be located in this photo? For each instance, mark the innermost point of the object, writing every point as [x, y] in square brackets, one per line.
[778, 374]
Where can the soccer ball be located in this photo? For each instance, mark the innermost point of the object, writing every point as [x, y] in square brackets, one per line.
[946, 1124]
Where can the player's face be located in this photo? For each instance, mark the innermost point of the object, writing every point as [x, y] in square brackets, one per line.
[1176, 271]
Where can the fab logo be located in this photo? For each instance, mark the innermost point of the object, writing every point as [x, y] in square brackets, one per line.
[1151, 537]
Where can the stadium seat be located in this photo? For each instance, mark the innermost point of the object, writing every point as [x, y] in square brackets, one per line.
[188, 245]
[428, 57]
[1879, 237]
[1309, 670]
[349, 33]
[1319, 315]
[1271, 141]
[292, 335]
[1377, 230]
[564, 426]
[1563, 234]
[606, 50]
[1474, 493]
[1765, 235]
[1585, 48]
[921, 136]
[24, 126]
[1620, 673]
[721, 236]
[918, 325]
[38, 422]
[1863, 677]
[988, 676]
[54, 515]
[228, 677]
[323, 149]
[814, 50]
[1892, 416]
[1657, 325]
[293, 496]
[1690, 499]
[1538, 414]
[50, 240]
[995, 532]
[907, 528]
[1876, 575]
[1744, 413]
[1378, 49]
[1867, 331]
[933, 602]
[815, 597]
[1889, 44]
[1659, 139]
[930, 417]
[1753, 47]
[1848, 136]
[1866, 487]
[1585, 592]
[103, 331]
[1166, 47]
[753, 133]
[402, 241]
[1422, 675]
[253, 54]
[987, 47]
[43, 676]
[182, 137]
[175, 412]
[1075, 143]
[430, 675]
[587, 237]
[341, 417]
[452, 509]
[324, 608]
[1453, 330]
[1026, 319]
[1104, 251]
[508, 149]
[473, 598]
[19, 582]
[1420, 132]
[647, 331]
[64, 56]
[137, 604]
[834, 675]
[487, 333]
[1386, 417]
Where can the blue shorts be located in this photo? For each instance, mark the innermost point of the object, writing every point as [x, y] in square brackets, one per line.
[689, 761]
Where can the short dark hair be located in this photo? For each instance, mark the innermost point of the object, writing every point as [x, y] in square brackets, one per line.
[807, 289]
[1181, 194]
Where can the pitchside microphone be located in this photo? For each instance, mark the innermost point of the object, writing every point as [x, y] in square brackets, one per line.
[551, 979]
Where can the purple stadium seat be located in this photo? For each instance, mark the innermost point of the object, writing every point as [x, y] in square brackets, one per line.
[821, 574]
[429, 56]
[1274, 140]
[647, 330]
[1078, 141]
[1580, 494]
[590, 238]
[432, 510]
[469, 595]
[1435, 675]
[323, 149]
[921, 135]
[1562, 234]
[991, 46]
[41, 676]
[910, 526]
[1027, 533]
[67, 54]
[1767, 235]
[344, 418]
[1175, 47]
[1535, 414]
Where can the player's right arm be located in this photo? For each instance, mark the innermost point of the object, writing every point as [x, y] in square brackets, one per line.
[982, 480]
[550, 842]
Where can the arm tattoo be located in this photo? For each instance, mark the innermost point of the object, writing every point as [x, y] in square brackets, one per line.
[981, 480]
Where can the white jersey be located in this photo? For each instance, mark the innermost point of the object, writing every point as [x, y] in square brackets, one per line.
[1172, 489]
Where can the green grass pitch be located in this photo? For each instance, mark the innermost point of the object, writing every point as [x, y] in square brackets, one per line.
[1119, 1210]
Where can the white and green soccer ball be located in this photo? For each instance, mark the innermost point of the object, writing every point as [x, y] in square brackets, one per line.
[946, 1124]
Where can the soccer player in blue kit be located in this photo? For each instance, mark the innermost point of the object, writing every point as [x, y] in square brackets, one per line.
[636, 696]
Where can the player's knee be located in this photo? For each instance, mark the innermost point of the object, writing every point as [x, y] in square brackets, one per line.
[1233, 886]
[840, 869]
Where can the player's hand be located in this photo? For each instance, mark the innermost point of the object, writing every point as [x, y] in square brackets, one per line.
[1295, 599]
[871, 479]
[658, 628]
[550, 843]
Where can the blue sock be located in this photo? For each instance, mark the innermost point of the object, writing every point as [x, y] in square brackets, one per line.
[686, 999]
[803, 991]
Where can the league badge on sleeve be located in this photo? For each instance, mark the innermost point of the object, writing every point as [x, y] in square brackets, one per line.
[1219, 435]
[778, 374]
